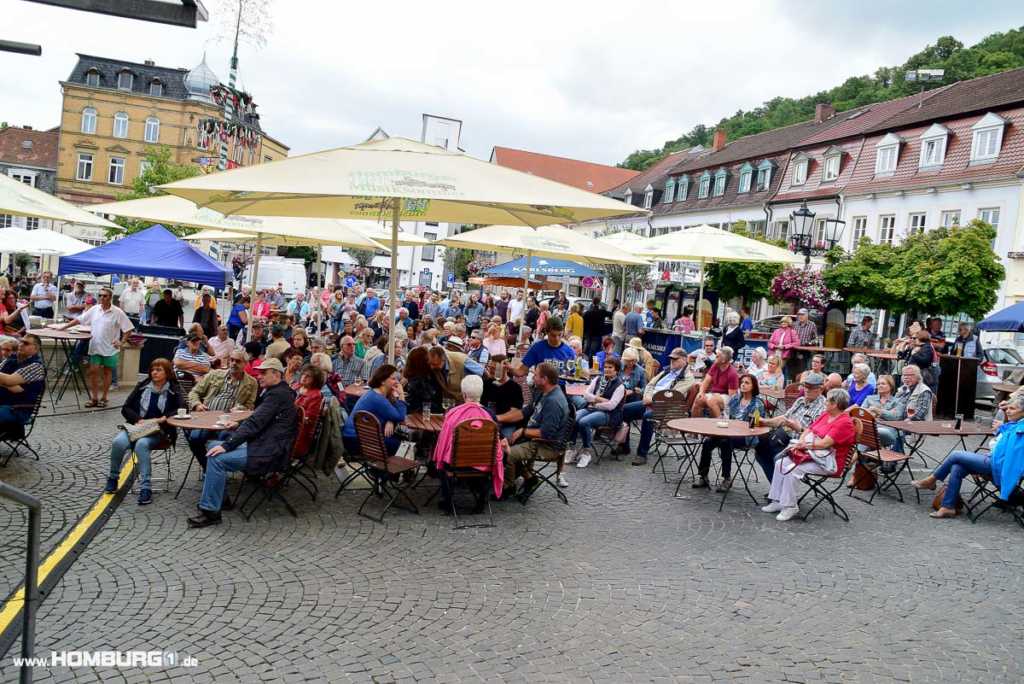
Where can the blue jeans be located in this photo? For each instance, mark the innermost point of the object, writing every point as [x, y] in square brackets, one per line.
[633, 411]
[586, 421]
[197, 440]
[890, 438]
[217, 469]
[958, 465]
[143, 447]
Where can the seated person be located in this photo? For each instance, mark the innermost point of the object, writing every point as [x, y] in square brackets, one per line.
[860, 389]
[260, 444]
[1004, 466]
[607, 350]
[8, 347]
[11, 320]
[804, 411]
[634, 377]
[253, 353]
[22, 379]
[332, 381]
[703, 358]
[549, 423]
[502, 395]
[742, 406]
[828, 441]
[293, 362]
[220, 391]
[154, 399]
[386, 400]
[718, 386]
[915, 396]
[222, 346]
[470, 409]
[310, 399]
[192, 359]
[603, 407]
[676, 377]
[817, 366]
[854, 360]
[423, 384]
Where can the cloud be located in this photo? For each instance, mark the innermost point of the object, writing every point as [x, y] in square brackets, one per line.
[588, 80]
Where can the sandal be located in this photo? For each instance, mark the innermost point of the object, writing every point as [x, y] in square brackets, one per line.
[919, 484]
[92, 403]
[102, 403]
[943, 513]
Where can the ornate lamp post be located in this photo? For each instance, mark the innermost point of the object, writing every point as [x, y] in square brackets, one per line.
[802, 239]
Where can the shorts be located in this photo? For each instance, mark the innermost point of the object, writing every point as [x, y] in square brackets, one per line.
[100, 360]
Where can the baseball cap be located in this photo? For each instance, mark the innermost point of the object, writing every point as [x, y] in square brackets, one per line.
[271, 364]
[802, 311]
[813, 379]
[455, 341]
[677, 353]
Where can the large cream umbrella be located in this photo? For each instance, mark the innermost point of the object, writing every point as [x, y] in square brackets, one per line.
[626, 241]
[556, 242]
[706, 245]
[21, 200]
[398, 179]
[43, 242]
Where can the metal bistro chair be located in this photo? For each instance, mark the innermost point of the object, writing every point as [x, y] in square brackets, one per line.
[825, 487]
[669, 405]
[15, 435]
[791, 394]
[385, 471]
[473, 447]
[547, 471]
[986, 497]
[272, 485]
[877, 458]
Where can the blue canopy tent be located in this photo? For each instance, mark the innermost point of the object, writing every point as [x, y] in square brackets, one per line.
[152, 252]
[1010, 319]
[539, 266]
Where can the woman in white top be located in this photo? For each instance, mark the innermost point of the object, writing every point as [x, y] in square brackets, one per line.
[494, 341]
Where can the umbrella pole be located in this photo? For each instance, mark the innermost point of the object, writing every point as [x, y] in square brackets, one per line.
[700, 300]
[393, 286]
[623, 295]
[255, 274]
[526, 287]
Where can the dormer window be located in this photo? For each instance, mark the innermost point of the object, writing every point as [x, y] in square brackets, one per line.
[833, 163]
[933, 146]
[704, 189]
[682, 188]
[887, 155]
[764, 175]
[156, 88]
[92, 78]
[800, 164]
[648, 197]
[988, 138]
[670, 191]
[628, 197]
[125, 80]
[720, 177]
[746, 175]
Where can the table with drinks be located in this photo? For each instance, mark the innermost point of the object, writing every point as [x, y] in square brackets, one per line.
[208, 420]
[719, 427]
[919, 430]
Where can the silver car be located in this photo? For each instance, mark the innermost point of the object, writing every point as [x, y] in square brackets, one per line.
[998, 364]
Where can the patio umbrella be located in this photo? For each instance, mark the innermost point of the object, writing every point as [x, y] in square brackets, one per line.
[539, 266]
[42, 241]
[1010, 319]
[626, 241]
[395, 178]
[708, 245]
[21, 200]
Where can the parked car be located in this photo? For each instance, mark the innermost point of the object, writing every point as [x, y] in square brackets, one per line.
[998, 364]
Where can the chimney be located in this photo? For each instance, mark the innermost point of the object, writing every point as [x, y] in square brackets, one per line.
[149, 62]
[718, 142]
[823, 110]
[27, 128]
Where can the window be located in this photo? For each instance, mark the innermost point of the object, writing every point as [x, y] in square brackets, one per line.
[916, 223]
[648, 197]
[831, 170]
[26, 177]
[152, 133]
[720, 177]
[950, 218]
[115, 175]
[705, 185]
[746, 173]
[781, 230]
[886, 228]
[933, 146]
[125, 80]
[428, 252]
[6, 220]
[860, 227]
[92, 78]
[156, 88]
[144, 166]
[670, 191]
[628, 197]
[800, 172]
[31, 223]
[819, 233]
[988, 137]
[84, 170]
[990, 215]
[120, 125]
[764, 176]
[887, 155]
[682, 188]
[88, 120]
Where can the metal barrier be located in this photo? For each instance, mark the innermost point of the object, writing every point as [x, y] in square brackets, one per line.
[28, 613]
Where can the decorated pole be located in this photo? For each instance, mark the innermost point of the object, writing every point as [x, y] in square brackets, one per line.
[229, 103]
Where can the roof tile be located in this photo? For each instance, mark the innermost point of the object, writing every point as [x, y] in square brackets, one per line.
[580, 174]
[41, 154]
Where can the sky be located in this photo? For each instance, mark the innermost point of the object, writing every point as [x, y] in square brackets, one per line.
[586, 80]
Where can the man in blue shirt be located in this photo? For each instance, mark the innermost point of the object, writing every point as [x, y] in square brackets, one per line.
[674, 377]
[553, 350]
[634, 321]
[370, 303]
[747, 324]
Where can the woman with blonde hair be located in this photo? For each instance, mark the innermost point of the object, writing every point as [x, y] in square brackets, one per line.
[494, 341]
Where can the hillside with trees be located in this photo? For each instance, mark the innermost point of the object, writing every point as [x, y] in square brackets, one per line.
[993, 54]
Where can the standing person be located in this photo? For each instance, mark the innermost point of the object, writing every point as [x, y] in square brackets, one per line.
[168, 312]
[619, 327]
[133, 300]
[299, 308]
[862, 337]
[574, 322]
[75, 301]
[109, 328]
[747, 324]
[966, 343]
[807, 334]
[634, 322]
[370, 304]
[532, 314]
[206, 315]
[542, 320]
[733, 335]
[593, 326]
[652, 318]
[44, 296]
[515, 309]
[238, 320]
[501, 307]
[782, 341]
[260, 444]
[473, 311]
[684, 324]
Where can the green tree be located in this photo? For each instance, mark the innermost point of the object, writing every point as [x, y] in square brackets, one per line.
[863, 277]
[362, 257]
[160, 169]
[746, 281]
[614, 274]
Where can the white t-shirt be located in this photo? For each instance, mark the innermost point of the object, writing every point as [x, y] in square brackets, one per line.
[38, 290]
[515, 309]
[107, 327]
[131, 302]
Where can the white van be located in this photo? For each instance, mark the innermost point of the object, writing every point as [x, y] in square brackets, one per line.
[291, 273]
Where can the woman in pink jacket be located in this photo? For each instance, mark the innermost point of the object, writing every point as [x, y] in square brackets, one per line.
[783, 339]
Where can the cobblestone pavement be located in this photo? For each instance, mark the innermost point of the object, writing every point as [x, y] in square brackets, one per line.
[625, 584]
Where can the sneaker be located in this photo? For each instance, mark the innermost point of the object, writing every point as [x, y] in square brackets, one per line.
[204, 519]
[111, 485]
[570, 455]
[701, 483]
[773, 507]
[788, 514]
[639, 460]
[145, 497]
[562, 482]
[724, 486]
[584, 459]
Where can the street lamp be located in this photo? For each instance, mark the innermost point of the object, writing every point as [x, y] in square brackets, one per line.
[802, 238]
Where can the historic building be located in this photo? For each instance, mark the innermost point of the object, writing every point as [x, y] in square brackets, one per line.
[28, 156]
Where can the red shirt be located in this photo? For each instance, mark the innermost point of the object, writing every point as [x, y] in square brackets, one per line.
[723, 380]
[842, 432]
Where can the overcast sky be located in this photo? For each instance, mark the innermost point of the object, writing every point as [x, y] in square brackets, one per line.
[590, 80]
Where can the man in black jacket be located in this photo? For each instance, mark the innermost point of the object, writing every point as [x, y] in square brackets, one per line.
[593, 326]
[260, 444]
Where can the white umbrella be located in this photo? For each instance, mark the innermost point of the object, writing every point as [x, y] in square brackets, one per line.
[42, 242]
[626, 241]
[395, 178]
[21, 200]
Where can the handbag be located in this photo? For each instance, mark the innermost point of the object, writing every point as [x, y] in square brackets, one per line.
[864, 479]
[141, 429]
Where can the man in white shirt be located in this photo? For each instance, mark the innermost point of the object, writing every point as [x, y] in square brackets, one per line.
[133, 298]
[619, 327]
[109, 328]
[515, 308]
[44, 294]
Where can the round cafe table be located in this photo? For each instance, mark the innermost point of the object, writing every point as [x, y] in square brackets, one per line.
[207, 420]
[916, 432]
[719, 427]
